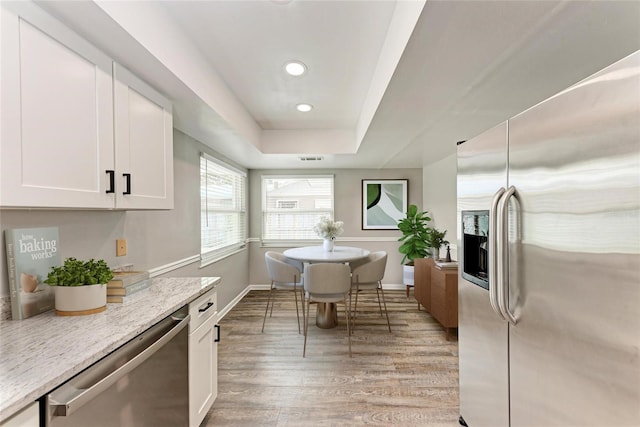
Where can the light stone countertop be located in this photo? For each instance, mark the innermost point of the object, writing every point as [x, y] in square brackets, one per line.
[42, 352]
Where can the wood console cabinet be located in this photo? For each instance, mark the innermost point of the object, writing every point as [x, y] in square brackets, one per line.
[422, 282]
[436, 290]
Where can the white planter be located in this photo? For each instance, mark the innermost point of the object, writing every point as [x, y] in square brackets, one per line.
[407, 274]
[327, 245]
[80, 300]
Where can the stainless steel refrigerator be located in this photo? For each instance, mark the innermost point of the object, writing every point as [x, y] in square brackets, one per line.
[549, 248]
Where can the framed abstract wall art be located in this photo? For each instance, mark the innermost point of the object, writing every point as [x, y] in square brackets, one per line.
[384, 203]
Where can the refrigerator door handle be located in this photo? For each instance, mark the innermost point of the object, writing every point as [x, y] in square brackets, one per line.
[502, 246]
[493, 256]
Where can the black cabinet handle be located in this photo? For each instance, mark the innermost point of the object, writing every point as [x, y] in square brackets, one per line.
[128, 178]
[218, 334]
[207, 307]
[112, 181]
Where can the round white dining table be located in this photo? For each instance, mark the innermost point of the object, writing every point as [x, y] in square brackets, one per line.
[318, 254]
[327, 314]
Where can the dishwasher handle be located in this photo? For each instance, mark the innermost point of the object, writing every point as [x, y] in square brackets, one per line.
[74, 403]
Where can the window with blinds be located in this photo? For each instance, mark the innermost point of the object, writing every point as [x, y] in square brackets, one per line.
[292, 205]
[223, 194]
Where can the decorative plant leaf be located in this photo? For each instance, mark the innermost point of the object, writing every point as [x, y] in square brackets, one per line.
[436, 238]
[415, 234]
[77, 273]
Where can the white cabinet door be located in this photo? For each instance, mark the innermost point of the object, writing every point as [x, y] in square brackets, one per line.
[56, 138]
[203, 370]
[27, 417]
[144, 144]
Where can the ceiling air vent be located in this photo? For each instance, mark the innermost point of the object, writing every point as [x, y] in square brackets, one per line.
[311, 158]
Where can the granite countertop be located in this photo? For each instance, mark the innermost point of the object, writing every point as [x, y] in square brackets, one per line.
[42, 352]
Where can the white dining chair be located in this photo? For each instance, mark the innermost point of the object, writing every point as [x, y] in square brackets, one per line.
[368, 276]
[285, 274]
[327, 283]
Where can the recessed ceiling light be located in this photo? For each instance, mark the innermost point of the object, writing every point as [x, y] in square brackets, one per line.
[295, 68]
[304, 108]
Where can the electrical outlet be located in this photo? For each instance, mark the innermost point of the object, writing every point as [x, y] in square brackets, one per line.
[121, 247]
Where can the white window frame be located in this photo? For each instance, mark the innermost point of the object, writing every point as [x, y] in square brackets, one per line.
[291, 241]
[211, 254]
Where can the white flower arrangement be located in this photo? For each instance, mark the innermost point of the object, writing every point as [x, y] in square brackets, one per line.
[328, 228]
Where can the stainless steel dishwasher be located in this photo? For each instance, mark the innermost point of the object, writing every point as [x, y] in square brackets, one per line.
[143, 383]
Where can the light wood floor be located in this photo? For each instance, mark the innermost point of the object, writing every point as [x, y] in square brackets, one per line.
[406, 378]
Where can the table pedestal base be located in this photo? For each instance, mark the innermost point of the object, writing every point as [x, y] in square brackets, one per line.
[327, 315]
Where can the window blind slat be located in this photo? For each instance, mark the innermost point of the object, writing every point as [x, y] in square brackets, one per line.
[292, 205]
[223, 208]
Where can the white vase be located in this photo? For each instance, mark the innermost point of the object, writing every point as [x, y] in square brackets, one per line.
[407, 274]
[80, 300]
[327, 245]
[435, 253]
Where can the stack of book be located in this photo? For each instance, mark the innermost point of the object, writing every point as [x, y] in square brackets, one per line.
[445, 264]
[125, 284]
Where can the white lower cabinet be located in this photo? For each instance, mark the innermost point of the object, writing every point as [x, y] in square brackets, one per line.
[203, 356]
[28, 417]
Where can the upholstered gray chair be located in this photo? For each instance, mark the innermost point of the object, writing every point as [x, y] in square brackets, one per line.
[327, 283]
[368, 276]
[285, 274]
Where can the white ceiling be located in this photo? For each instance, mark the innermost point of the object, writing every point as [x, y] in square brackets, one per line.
[393, 84]
[248, 43]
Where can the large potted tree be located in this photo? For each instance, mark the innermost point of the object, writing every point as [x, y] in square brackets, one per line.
[415, 240]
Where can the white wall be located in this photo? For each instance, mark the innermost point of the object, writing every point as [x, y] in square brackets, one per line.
[160, 238]
[154, 238]
[439, 197]
[347, 189]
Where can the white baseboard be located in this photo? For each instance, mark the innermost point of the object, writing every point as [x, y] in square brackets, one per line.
[393, 287]
[233, 303]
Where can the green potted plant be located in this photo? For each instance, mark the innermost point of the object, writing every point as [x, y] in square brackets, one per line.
[436, 240]
[415, 240]
[80, 287]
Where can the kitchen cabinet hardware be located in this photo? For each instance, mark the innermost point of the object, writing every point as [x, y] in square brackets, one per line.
[205, 308]
[112, 181]
[127, 177]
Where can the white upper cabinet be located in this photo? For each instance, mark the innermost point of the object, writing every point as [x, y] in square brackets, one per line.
[144, 144]
[57, 115]
[73, 134]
